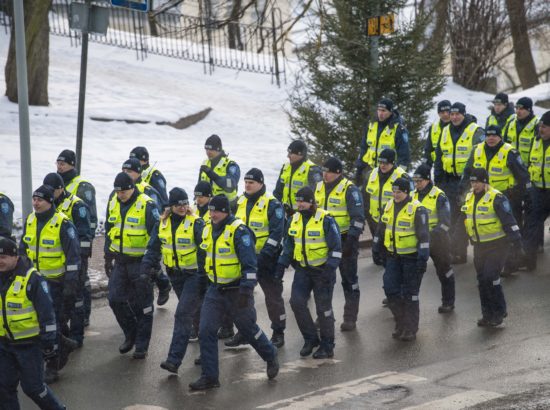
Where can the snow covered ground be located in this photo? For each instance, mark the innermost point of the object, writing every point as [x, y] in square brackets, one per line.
[247, 112]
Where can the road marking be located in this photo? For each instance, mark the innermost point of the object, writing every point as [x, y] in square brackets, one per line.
[331, 395]
[458, 401]
[143, 407]
[91, 333]
[291, 367]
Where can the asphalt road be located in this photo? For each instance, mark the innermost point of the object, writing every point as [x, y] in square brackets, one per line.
[453, 364]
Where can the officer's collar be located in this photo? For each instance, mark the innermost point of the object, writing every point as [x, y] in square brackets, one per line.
[214, 161]
[69, 175]
[46, 215]
[221, 225]
[329, 186]
[60, 199]
[254, 197]
[427, 188]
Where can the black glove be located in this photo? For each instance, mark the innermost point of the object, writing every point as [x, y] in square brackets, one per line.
[243, 300]
[518, 249]
[279, 271]
[70, 288]
[288, 210]
[377, 259]
[109, 264]
[421, 266]
[207, 170]
[359, 177]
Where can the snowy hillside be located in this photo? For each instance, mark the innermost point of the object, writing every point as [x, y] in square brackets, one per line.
[247, 112]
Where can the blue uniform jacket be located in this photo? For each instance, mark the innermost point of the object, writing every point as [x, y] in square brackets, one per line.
[39, 294]
[332, 237]
[6, 216]
[80, 216]
[158, 182]
[443, 209]
[69, 243]
[86, 192]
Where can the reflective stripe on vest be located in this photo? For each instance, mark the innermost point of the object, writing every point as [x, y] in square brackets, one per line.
[68, 204]
[147, 174]
[500, 176]
[430, 203]
[455, 157]
[182, 243]
[539, 165]
[221, 263]
[310, 246]
[335, 204]
[72, 186]
[524, 141]
[258, 219]
[378, 199]
[294, 181]
[435, 136]
[400, 235]
[482, 223]
[134, 230]
[376, 144]
[18, 310]
[46, 252]
[221, 170]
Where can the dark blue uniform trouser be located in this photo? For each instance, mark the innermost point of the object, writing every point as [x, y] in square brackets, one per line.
[59, 304]
[178, 279]
[350, 282]
[162, 281]
[188, 286]
[25, 364]
[75, 310]
[488, 262]
[216, 302]
[536, 216]
[441, 256]
[273, 292]
[306, 280]
[458, 233]
[131, 299]
[87, 289]
[402, 286]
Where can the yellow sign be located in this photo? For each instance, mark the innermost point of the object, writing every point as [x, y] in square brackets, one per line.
[381, 25]
[373, 26]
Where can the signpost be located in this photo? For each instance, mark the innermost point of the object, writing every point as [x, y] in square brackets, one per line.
[380, 25]
[138, 5]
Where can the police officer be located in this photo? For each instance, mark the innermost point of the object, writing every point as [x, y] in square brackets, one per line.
[404, 230]
[297, 173]
[502, 111]
[203, 193]
[521, 130]
[433, 134]
[539, 170]
[27, 330]
[131, 217]
[343, 201]
[176, 239]
[77, 211]
[507, 174]
[221, 172]
[50, 240]
[149, 173]
[388, 131]
[439, 219]
[314, 248]
[264, 215]
[379, 189]
[231, 268]
[83, 189]
[455, 147]
[132, 167]
[491, 227]
[6, 215]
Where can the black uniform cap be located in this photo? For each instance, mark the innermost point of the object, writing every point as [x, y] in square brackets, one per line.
[500, 98]
[402, 184]
[333, 164]
[480, 175]
[545, 119]
[525, 102]
[255, 174]
[203, 188]
[494, 130]
[219, 203]
[387, 155]
[423, 171]
[54, 180]
[67, 156]
[458, 107]
[45, 192]
[177, 196]
[305, 194]
[385, 103]
[444, 105]
[123, 182]
[140, 153]
[213, 143]
[297, 147]
[132, 164]
[7, 246]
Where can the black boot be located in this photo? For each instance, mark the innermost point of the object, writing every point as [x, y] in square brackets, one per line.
[236, 340]
[169, 366]
[323, 353]
[395, 303]
[129, 342]
[226, 332]
[272, 369]
[308, 347]
[278, 339]
[204, 383]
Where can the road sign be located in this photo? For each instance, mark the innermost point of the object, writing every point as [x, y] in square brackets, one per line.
[138, 5]
[381, 25]
[89, 18]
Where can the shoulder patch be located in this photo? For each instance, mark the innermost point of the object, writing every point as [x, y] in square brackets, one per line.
[246, 240]
[71, 232]
[506, 205]
[156, 214]
[45, 287]
[405, 135]
[161, 183]
[82, 212]
[89, 195]
[356, 197]
[279, 213]
[5, 208]
[232, 169]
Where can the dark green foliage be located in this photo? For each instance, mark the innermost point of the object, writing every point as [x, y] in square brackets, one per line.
[338, 89]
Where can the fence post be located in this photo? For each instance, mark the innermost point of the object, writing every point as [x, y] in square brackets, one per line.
[275, 53]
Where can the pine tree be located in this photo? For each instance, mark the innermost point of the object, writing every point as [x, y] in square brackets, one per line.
[337, 91]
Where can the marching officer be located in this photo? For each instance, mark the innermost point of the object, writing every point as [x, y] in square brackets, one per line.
[439, 220]
[297, 173]
[404, 231]
[176, 239]
[539, 170]
[343, 201]
[521, 129]
[265, 217]
[433, 134]
[388, 131]
[221, 172]
[83, 189]
[231, 268]
[507, 174]
[6, 215]
[458, 140]
[131, 217]
[492, 228]
[132, 167]
[149, 173]
[50, 241]
[502, 112]
[203, 193]
[314, 248]
[27, 330]
[77, 211]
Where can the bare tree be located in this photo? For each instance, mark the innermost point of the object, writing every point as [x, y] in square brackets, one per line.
[38, 44]
[525, 65]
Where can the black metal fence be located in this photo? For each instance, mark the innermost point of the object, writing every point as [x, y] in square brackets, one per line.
[213, 43]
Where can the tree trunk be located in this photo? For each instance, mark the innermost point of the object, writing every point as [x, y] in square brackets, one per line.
[441, 20]
[525, 65]
[151, 19]
[233, 26]
[37, 36]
